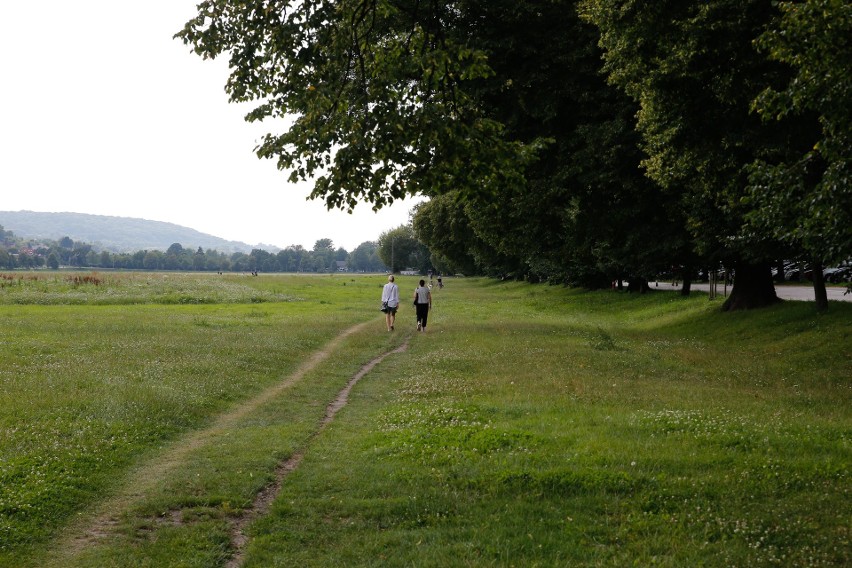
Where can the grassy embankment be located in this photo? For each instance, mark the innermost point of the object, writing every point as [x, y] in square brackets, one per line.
[531, 425]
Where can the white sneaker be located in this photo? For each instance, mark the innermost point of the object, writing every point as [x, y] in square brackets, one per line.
[419, 327]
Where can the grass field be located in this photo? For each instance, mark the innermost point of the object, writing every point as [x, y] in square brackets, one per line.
[142, 414]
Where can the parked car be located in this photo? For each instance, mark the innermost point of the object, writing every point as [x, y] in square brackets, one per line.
[839, 275]
[797, 270]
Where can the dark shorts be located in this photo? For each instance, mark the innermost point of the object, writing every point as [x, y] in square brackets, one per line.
[392, 310]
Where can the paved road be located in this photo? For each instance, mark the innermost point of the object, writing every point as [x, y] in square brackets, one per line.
[787, 291]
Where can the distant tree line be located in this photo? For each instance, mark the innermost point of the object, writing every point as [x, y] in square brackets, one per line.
[324, 257]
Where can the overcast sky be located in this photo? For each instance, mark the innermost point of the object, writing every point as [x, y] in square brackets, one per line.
[102, 112]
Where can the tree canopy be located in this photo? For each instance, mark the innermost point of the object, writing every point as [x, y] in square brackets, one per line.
[372, 90]
[567, 140]
[400, 250]
[805, 200]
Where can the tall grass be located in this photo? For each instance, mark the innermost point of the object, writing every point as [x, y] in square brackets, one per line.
[530, 426]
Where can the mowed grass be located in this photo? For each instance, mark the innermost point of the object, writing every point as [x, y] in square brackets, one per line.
[530, 426]
[537, 426]
[89, 391]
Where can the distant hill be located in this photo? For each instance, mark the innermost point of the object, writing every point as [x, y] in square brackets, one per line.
[115, 234]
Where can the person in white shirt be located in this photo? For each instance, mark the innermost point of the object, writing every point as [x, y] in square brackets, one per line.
[390, 294]
[422, 303]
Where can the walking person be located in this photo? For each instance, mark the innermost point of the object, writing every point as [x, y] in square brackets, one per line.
[390, 294]
[422, 304]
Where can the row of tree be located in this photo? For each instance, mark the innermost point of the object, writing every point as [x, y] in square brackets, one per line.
[576, 141]
[324, 257]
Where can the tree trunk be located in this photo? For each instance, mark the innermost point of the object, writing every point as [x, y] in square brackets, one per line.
[637, 284]
[687, 281]
[753, 287]
[803, 267]
[820, 294]
[779, 271]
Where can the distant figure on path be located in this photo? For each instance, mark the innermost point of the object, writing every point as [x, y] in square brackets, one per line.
[390, 294]
[422, 304]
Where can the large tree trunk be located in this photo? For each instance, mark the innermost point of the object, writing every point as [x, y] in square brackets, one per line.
[638, 284]
[779, 271]
[753, 287]
[687, 281]
[820, 294]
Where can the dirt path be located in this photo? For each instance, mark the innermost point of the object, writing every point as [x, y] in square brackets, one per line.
[99, 524]
[265, 498]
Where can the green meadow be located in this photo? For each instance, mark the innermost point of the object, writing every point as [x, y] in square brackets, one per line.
[152, 420]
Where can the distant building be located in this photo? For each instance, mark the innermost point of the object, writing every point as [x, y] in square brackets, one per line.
[342, 266]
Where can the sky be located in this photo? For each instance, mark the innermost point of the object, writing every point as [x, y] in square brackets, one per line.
[103, 112]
